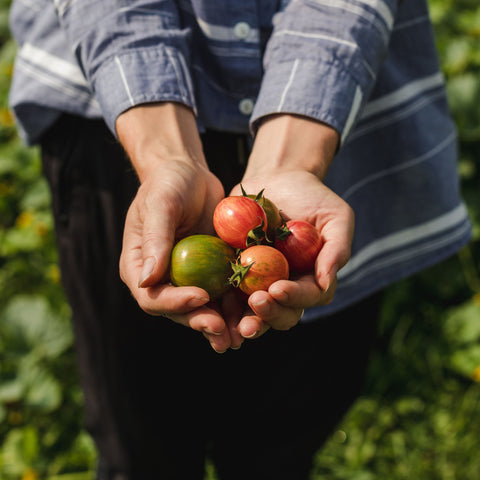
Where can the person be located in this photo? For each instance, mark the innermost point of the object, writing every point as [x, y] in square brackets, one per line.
[148, 114]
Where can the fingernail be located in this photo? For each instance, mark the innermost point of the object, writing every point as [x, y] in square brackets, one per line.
[330, 276]
[278, 293]
[211, 332]
[236, 348]
[261, 306]
[250, 336]
[219, 351]
[147, 269]
[195, 302]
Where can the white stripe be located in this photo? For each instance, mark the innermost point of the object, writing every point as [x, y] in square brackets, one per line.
[357, 101]
[329, 38]
[389, 171]
[398, 115]
[382, 9]
[54, 82]
[124, 81]
[349, 7]
[288, 85]
[63, 6]
[408, 253]
[411, 23]
[317, 35]
[225, 34]
[52, 63]
[403, 94]
[186, 74]
[177, 69]
[401, 239]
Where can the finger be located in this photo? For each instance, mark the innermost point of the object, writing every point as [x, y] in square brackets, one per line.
[233, 307]
[131, 260]
[158, 238]
[269, 311]
[251, 327]
[303, 292]
[208, 321]
[336, 250]
[165, 299]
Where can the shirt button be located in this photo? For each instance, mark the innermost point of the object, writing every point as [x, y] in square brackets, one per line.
[241, 30]
[246, 106]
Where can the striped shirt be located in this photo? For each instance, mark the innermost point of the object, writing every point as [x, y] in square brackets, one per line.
[368, 68]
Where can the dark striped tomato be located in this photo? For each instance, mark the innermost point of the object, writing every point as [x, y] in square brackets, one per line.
[202, 261]
[258, 267]
[240, 221]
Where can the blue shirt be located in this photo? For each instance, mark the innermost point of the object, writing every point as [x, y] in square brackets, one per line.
[368, 68]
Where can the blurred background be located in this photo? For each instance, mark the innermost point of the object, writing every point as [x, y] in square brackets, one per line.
[419, 414]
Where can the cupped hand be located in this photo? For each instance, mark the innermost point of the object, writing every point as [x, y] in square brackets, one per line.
[176, 200]
[300, 195]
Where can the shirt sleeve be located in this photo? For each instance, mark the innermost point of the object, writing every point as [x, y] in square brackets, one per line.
[130, 51]
[322, 59]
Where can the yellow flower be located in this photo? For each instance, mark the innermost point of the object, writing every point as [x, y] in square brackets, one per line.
[53, 273]
[476, 374]
[24, 220]
[6, 118]
[41, 229]
[476, 299]
[30, 474]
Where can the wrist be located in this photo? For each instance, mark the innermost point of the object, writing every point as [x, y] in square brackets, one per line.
[154, 133]
[291, 142]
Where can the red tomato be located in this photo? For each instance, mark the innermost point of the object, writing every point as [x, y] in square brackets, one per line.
[258, 267]
[300, 246]
[240, 221]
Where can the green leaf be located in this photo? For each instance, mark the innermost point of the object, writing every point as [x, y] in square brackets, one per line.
[29, 324]
[11, 390]
[43, 391]
[462, 325]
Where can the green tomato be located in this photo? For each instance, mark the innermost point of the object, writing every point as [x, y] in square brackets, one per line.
[202, 261]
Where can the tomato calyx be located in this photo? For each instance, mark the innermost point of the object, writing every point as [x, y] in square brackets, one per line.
[258, 197]
[256, 235]
[275, 218]
[282, 232]
[239, 272]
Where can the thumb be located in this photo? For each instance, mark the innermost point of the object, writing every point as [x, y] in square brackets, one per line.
[158, 238]
[334, 253]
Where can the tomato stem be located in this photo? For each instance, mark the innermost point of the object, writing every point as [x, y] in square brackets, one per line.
[239, 272]
[256, 235]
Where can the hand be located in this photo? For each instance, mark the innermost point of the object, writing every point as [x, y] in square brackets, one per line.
[176, 198]
[289, 158]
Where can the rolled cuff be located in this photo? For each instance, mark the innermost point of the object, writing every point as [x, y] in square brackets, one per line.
[322, 91]
[149, 75]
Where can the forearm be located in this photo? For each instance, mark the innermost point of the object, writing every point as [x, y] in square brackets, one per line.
[291, 142]
[155, 133]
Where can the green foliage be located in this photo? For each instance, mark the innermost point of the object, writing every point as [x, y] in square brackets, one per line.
[418, 416]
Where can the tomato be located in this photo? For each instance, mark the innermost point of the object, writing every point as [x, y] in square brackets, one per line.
[300, 244]
[202, 261]
[258, 267]
[240, 221]
[274, 218]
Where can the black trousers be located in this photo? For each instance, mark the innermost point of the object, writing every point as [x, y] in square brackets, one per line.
[157, 397]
